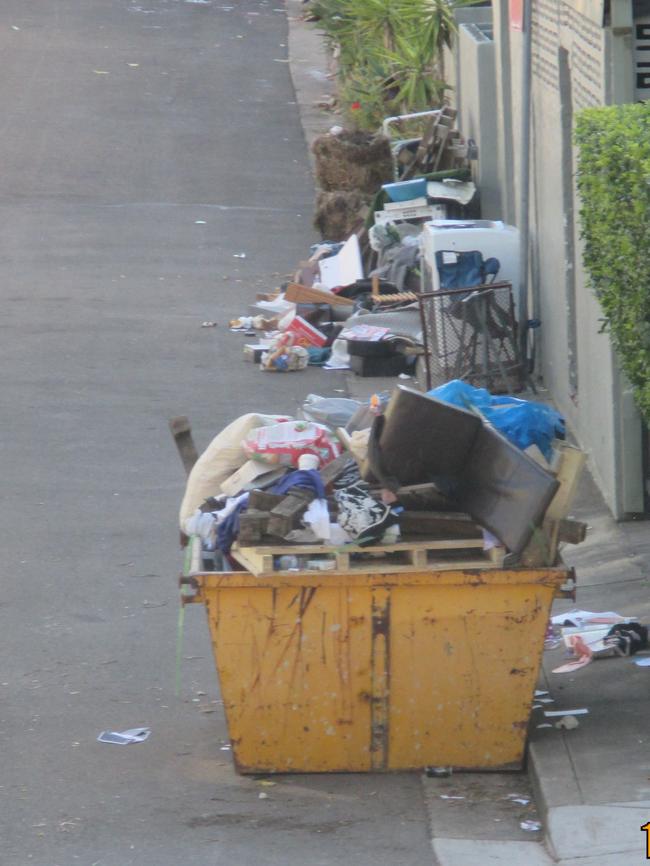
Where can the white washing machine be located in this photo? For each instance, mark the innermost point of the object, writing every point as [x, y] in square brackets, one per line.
[492, 238]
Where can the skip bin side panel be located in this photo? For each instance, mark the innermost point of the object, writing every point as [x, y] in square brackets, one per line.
[464, 663]
[294, 669]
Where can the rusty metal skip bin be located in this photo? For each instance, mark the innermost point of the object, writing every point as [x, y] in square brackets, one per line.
[359, 672]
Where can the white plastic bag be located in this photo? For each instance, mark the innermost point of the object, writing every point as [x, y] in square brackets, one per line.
[333, 411]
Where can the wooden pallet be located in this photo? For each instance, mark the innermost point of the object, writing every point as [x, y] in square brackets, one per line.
[433, 555]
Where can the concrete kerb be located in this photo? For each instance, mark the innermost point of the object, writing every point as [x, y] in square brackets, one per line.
[310, 68]
[552, 778]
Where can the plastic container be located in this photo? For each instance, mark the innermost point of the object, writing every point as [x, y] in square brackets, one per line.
[406, 190]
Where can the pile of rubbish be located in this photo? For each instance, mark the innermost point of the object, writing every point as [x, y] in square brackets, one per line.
[422, 287]
[587, 635]
[335, 318]
[455, 477]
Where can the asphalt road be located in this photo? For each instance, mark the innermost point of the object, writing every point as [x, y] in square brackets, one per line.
[142, 144]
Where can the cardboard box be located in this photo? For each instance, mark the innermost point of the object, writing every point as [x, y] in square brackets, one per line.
[305, 334]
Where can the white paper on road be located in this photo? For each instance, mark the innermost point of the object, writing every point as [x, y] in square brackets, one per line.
[124, 738]
[550, 713]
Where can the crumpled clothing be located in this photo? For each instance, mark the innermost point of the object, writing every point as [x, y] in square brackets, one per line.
[228, 522]
[310, 479]
[202, 524]
[627, 638]
[362, 516]
[399, 265]
[318, 357]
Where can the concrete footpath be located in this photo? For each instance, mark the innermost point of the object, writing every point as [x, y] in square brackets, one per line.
[591, 784]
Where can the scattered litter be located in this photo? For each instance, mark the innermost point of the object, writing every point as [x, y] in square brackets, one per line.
[626, 639]
[124, 738]
[283, 356]
[539, 693]
[537, 707]
[248, 323]
[200, 223]
[225, 748]
[530, 825]
[643, 663]
[438, 772]
[404, 376]
[101, 72]
[451, 797]
[568, 723]
[579, 618]
[546, 700]
[13, 27]
[544, 725]
[262, 796]
[267, 783]
[208, 324]
[239, 255]
[517, 798]
[133, 65]
[574, 665]
[367, 333]
[556, 713]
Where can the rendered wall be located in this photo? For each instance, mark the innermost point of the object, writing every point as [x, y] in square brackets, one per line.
[570, 71]
[471, 75]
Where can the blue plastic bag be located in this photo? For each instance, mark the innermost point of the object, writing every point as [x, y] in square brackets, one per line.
[522, 422]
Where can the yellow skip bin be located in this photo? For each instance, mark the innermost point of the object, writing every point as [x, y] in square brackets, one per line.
[331, 672]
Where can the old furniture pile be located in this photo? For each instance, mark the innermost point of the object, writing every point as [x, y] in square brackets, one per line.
[405, 482]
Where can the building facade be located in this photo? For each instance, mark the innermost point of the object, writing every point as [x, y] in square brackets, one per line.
[583, 53]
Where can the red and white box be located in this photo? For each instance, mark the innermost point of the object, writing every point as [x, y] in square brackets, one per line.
[304, 334]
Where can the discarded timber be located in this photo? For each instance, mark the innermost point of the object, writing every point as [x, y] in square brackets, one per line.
[253, 526]
[182, 433]
[308, 295]
[404, 556]
[286, 515]
[335, 468]
[264, 501]
[436, 524]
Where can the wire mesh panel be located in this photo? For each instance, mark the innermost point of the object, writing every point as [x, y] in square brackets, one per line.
[471, 334]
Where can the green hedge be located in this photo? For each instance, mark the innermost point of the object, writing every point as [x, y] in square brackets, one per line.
[614, 183]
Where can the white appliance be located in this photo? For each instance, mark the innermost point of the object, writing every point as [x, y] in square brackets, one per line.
[492, 238]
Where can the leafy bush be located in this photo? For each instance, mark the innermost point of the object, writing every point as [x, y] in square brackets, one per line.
[390, 53]
[614, 183]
